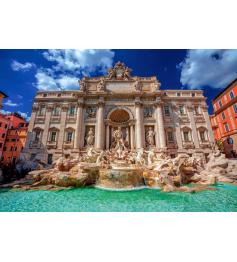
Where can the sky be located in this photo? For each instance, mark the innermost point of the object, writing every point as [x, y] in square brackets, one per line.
[24, 72]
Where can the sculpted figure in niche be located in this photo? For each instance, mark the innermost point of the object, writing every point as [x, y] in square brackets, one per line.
[150, 137]
[90, 137]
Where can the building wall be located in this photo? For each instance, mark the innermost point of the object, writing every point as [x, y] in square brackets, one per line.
[4, 125]
[224, 118]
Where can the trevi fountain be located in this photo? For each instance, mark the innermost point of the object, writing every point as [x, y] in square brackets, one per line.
[105, 173]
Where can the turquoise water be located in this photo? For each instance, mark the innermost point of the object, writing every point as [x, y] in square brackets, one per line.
[92, 199]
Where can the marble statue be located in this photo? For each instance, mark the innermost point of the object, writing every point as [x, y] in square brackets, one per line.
[118, 137]
[90, 137]
[139, 157]
[150, 137]
[101, 85]
[151, 157]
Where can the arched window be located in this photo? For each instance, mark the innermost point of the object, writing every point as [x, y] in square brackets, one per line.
[187, 134]
[203, 134]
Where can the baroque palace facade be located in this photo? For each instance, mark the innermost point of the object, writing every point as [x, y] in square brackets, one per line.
[68, 122]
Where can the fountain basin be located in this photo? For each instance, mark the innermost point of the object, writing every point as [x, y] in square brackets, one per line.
[120, 178]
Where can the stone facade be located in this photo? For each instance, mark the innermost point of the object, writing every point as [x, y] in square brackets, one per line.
[68, 122]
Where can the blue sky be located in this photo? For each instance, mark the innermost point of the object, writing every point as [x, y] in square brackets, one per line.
[24, 72]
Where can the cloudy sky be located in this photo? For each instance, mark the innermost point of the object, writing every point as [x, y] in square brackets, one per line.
[24, 72]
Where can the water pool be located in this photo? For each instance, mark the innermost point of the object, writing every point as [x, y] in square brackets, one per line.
[223, 199]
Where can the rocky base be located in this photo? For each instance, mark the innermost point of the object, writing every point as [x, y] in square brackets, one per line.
[166, 174]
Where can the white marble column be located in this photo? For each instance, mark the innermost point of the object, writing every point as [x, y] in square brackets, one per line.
[107, 136]
[100, 127]
[139, 125]
[78, 143]
[176, 125]
[193, 126]
[208, 123]
[131, 137]
[48, 113]
[160, 124]
[64, 112]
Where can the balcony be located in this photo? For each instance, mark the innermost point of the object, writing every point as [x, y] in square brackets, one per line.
[184, 118]
[71, 118]
[205, 144]
[199, 119]
[40, 119]
[55, 119]
[52, 144]
[188, 144]
[35, 144]
[68, 145]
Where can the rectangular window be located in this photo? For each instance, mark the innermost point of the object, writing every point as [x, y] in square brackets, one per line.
[223, 115]
[42, 110]
[37, 136]
[167, 110]
[50, 159]
[235, 108]
[186, 136]
[196, 110]
[72, 110]
[56, 111]
[226, 127]
[181, 109]
[220, 103]
[0, 145]
[178, 94]
[170, 136]
[69, 136]
[53, 136]
[232, 95]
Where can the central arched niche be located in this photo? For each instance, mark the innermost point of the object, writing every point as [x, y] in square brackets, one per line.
[119, 116]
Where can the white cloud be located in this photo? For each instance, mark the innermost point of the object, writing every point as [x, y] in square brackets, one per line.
[84, 60]
[17, 66]
[10, 103]
[215, 68]
[70, 65]
[46, 81]
[25, 115]
[5, 112]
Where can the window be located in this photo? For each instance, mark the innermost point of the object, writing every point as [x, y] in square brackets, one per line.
[56, 111]
[220, 103]
[232, 95]
[196, 110]
[0, 124]
[3, 135]
[37, 135]
[170, 136]
[0, 145]
[44, 95]
[193, 94]
[178, 94]
[53, 136]
[223, 115]
[50, 159]
[235, 108]
[42, 110]
[181, 109]
[226, 127]
[13, 139]
[186, 136]
[16, 148]
[32, 157]
[167, 110]
[69, 136]
[202, 135]
[4, 148]
[72, 110]
[6, 126]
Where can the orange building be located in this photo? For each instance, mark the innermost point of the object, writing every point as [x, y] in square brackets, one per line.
[224, 119]
[4, 125]
[15, 139]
